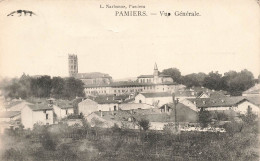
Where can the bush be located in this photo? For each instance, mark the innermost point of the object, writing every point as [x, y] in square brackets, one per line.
[144, 124]
[13, 155]
[204, 118]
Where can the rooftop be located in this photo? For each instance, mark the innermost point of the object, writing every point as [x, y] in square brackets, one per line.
[40, 107]
[151, 76]
[129, 106]
[217, 102]
[253, 90]
[127, 84]
[64, 104]
[9, 114]
[92, 75]
[156, 94]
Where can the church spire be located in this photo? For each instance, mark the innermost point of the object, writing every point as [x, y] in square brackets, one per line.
[155, 71]
[155, 66]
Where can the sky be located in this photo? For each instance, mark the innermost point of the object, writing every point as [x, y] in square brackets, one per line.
[225, 37]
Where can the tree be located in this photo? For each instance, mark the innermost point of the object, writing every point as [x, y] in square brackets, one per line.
[194, 79]
[204, 118]
[249, 118]
[41, 87]
[144, 124]
[57, 87]
[73, 88]
[174, 73]
[236, 83]
[213, 81]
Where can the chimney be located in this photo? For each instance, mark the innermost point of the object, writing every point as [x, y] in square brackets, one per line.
[107, 98]
[113, 98]
[194, 102]
[204, 102]
[222, 100]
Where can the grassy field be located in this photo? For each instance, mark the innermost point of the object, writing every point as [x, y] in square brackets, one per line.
[65, 143]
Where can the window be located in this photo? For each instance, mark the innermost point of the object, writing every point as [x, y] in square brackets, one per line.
[140, 101]
[66, 112]
[114, 108]
[47, 116]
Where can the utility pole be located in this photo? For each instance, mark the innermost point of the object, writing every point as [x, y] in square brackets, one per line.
[175, 102]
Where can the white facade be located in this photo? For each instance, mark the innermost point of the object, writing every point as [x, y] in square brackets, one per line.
[189, 104]
[18, 107]
[155, 101]
[88, 106]
[30, 117]
[241, 108]
[62, 112]
[118, 90]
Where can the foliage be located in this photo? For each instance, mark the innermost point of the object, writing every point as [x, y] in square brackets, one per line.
[48, 141]
[13, 155]
[220, 116]
[169, 128]
[233, 127]
[249, 118]
[44, 86]
[174, 73]
[194, 79]
[144, 124]
[204, 118]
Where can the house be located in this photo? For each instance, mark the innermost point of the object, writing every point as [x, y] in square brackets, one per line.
[183, 112]
[155, 78]
[63, 108]
[132, 106]
[253, 91]
[240, 105]
[17, 105]
[9, 120]
[155, 99]
[88, 106]
[8, 116]
[145, 83]
[41, 113]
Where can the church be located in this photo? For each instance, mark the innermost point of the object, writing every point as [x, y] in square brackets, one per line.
[155, 78]
[97, 83]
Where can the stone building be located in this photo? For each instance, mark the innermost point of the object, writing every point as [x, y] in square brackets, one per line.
[73, 65]
[155, 78]
[92, 78]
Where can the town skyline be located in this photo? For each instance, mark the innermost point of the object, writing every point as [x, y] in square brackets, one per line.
[122, 46]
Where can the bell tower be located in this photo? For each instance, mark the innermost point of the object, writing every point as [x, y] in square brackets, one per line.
[73, 65]
[155, 70]
[155, 74]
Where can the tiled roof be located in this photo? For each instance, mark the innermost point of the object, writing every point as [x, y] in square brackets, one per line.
[11, 104]
[127, 84]
[255, 100]
[9, 114]
[105, 99]
[40, 107]
[217, 102]
[151, 76]
[253, 90]
[130, 106]
[145, 76]
[64, 104]
[156, 94]
[185, 93]
[92, 75]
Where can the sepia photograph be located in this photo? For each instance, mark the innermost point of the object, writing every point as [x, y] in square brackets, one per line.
[136, 80]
